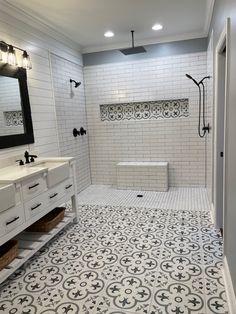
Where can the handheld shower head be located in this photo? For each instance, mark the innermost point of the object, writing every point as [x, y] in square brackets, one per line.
[206, 77]
[191, 78]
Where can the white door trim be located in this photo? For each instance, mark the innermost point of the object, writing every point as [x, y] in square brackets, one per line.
[222, 43]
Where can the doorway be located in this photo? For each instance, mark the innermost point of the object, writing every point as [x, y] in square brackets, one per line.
[221, 53]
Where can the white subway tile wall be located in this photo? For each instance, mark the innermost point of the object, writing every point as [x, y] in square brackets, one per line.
[71, 113]
[173, 140]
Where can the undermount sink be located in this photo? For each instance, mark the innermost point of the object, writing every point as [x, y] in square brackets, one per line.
[57, 170]
[7, 196]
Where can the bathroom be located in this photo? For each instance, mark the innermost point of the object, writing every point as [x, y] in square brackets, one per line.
[117, 144]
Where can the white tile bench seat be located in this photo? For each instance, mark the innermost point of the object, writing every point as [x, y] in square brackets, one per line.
[142, 175]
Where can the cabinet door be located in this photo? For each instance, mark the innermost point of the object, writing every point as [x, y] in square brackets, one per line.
[11, 218]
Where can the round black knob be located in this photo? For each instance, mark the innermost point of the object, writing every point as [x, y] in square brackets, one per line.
[75, 132]
[82, 131]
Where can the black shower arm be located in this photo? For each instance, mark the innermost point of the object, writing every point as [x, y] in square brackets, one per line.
[76, 83]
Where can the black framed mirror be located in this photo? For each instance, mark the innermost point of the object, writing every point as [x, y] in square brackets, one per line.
[16, 126]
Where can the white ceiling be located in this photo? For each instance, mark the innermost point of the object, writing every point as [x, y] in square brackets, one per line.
[85, 21]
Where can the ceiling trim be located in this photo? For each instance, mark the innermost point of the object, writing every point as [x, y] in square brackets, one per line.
[143, 42]
[38, 23]
[43, 26]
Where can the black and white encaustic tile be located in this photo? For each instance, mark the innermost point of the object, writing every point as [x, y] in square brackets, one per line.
[124, 260]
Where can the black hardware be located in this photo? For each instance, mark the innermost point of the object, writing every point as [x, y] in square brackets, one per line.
[75, 132]
[201, 105]
[206, 128]
[33, 186]
[26, 155]
[32, 208]
[29, 158]
[221, 154]
[133, 49]
[81, 132]
[68, 186]
[11, 221]
[77, 84]
[54, 195]
[21, 162]
[139, 195]
[32, 158]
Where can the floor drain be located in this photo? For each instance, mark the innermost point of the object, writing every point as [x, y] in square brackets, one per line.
[139, 195]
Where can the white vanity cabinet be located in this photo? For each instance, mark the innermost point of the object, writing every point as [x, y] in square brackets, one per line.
[29, 195]
[10, 220]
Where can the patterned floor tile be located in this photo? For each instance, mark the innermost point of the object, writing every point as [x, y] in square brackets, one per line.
[120, 260]
[176, 297]
[130, 293]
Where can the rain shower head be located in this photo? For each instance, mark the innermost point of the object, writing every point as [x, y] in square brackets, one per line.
[133, 50]
[191, 78]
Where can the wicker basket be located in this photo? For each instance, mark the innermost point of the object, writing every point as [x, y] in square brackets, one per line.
[8, 252]
[48, 222]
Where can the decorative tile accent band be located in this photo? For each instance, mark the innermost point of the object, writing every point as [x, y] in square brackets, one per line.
[173, 108]
[13, 118]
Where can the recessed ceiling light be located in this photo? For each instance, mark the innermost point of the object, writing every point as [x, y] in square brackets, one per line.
[157, 27]
[109, 34]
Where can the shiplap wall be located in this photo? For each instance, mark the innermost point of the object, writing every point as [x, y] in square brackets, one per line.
[39, 44]
[9, 101]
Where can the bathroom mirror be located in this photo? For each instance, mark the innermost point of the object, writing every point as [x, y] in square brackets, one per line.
[15, 115]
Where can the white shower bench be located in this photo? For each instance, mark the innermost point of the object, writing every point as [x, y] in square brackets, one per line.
[142, 175]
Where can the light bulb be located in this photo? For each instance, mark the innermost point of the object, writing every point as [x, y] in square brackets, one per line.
[11, 58]
[3, 52]
[26, 63]
[109, 34]
[157, 27]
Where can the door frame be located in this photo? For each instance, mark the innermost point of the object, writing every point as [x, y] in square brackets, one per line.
[218, 188]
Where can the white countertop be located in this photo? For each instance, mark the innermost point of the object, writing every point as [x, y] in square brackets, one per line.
[16, 173]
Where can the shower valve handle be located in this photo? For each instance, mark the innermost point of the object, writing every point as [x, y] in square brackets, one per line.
[206, 128]
[79, 132]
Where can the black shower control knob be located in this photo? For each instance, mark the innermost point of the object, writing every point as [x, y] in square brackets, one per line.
[76, 132]
[82, 131]
[79, 132]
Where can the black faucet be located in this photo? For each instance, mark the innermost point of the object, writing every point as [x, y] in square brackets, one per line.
[29, 158]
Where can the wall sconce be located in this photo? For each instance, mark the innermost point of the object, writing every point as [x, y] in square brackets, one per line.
[10, 56]
[77, 84]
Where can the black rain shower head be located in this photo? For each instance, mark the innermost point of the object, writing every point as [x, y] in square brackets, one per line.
[191, 78]
[77, 84]
[133, 50]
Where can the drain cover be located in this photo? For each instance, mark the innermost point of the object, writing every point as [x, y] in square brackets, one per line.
[139, 195]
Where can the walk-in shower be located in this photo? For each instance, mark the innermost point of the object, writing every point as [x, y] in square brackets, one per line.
[202, 105]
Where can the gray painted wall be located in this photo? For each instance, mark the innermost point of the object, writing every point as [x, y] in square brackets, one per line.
[222, 10]
[153, 51]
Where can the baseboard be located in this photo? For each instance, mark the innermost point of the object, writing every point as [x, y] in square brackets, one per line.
[229, 288]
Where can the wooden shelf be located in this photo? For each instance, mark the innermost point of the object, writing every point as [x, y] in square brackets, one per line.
[30, 243]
